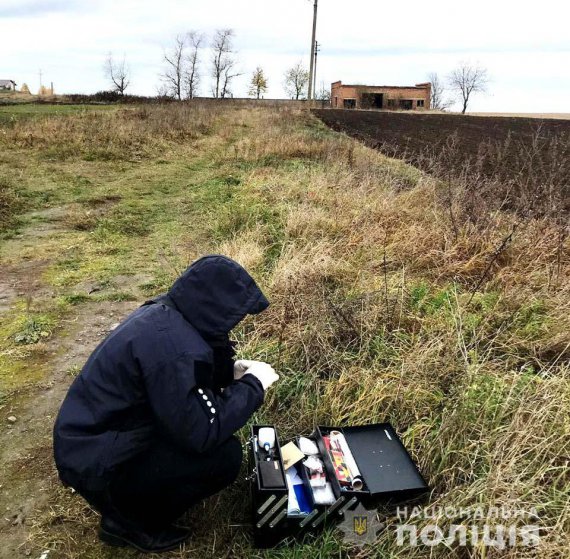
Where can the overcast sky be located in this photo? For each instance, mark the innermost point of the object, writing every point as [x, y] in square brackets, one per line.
[525, 46]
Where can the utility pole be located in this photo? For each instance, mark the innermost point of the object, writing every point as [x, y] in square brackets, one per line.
[312, 62]
[41, 73]
[314, 78]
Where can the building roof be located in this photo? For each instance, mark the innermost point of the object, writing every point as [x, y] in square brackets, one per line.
[7, 82]
[417, 86]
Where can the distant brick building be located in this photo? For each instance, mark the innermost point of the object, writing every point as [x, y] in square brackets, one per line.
[380, 96]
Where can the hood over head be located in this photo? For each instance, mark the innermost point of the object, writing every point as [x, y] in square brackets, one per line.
[215, 293]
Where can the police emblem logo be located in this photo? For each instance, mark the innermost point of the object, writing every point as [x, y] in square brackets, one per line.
[360, 524]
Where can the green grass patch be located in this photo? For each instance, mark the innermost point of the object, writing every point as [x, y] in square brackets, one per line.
[33, 328]
[22, 348]
[10, 114]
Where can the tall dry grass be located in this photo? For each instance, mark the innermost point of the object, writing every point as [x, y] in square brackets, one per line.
[121, 134]
[393, 302]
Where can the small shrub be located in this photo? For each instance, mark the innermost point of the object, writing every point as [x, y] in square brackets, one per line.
[33, 330]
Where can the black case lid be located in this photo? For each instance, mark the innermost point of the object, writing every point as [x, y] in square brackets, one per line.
[383, 460]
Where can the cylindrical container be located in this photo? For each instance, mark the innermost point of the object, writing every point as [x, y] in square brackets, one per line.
[266, 438]
[356, 481]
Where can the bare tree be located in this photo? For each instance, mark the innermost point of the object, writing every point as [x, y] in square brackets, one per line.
[229, 75]
[466, 80]
[162, 90]
[174, 67]
[117, 73]
[323, 94]
[191, 73]
[438, 100]
[258, 83]
[296, 80]
[223, 61]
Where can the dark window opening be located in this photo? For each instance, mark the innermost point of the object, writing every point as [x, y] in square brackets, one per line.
[406, 104]
[420, 103]
[372, 100]
[350, 103]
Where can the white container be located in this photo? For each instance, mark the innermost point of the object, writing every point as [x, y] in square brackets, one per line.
[266, 438]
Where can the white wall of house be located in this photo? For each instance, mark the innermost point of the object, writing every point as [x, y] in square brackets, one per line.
[7, 85]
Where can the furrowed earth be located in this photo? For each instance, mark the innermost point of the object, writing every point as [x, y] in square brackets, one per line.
[534, 152]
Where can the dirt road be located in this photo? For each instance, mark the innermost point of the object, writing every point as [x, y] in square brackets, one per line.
[27, 416]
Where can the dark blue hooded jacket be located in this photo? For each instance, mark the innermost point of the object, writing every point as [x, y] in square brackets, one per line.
[152, 378]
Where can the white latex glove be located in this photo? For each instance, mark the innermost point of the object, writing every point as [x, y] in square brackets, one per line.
[241, 366]
[263, 372]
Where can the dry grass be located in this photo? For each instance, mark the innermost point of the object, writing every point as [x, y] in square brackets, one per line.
[246, 248]
[10, 203]
[453, 325]
[390, 302]
[122, 134]
[562, 116]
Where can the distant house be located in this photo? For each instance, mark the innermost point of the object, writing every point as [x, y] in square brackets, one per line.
[380, 96]
[7, 85]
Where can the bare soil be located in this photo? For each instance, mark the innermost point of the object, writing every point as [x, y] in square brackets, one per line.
[529, 152]
[26, 442]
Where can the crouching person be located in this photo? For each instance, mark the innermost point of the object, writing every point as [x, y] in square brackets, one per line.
[146, 430]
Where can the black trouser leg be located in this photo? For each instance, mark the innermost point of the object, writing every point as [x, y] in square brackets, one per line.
[157, 487]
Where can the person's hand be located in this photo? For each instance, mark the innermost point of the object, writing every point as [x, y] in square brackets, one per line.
[263, 372]
[241, 366]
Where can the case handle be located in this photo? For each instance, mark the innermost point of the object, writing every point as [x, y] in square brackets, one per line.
[278, 518]
[308, 518]
[319, 520]
[335, 505]
[266, 504]
[272, 512]
[328, 512]
[347, 506]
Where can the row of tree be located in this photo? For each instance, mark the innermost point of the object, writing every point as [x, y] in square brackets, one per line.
[183, 69]
[183, 72]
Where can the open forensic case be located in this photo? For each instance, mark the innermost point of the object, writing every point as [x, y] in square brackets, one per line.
[333, 470]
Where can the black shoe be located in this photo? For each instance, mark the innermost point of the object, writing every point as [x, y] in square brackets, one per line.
[117, 534]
